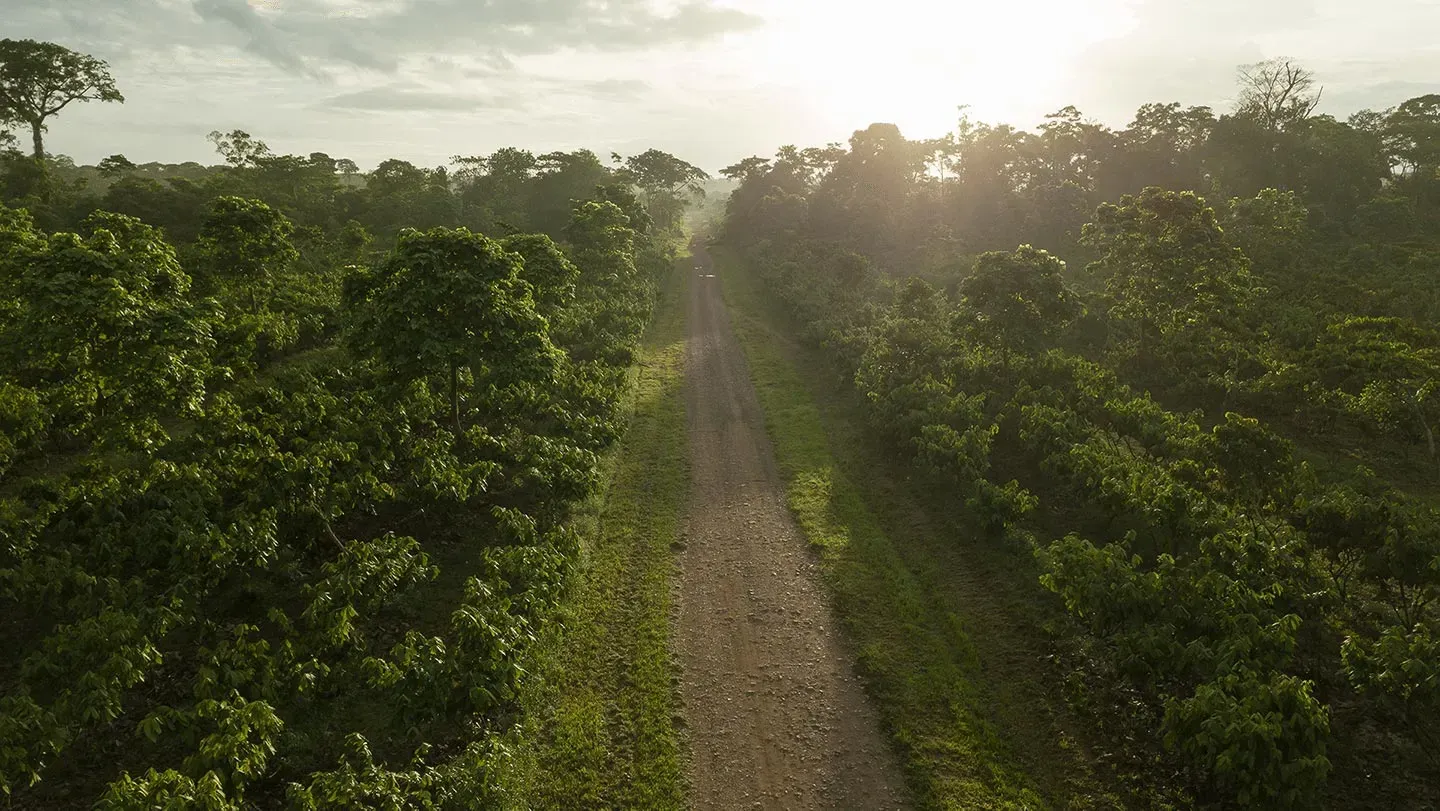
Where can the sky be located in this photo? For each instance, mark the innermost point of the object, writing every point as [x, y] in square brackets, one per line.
[712, 81]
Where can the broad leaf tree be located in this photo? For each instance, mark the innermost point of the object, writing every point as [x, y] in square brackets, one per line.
[105, 323]
[1413, 131]
[656, 171]
[551, 275]
[1387, 373]
[1019, 297]
[1167, 268]
[39, 79]
[446, 301]
[602, 242]
[246, 245]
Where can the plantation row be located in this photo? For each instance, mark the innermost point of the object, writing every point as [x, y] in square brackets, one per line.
[268, 529]
[1241, 622]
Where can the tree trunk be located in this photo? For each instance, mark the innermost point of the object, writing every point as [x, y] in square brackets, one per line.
[35, 128]
[1430, 440]
[1429, 432]
[455, 396]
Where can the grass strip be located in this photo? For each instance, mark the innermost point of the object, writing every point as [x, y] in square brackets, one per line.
[600, 701]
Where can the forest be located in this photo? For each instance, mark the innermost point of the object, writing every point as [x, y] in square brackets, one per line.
[288, 458]
[299, 463]
[1192, 366]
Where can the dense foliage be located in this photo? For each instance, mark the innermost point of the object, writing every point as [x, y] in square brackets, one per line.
[1173, 426]
[280, 509]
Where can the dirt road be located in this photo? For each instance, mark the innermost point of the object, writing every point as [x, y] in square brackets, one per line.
[775, 716]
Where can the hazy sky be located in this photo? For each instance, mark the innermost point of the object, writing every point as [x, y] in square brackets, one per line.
[710, 80]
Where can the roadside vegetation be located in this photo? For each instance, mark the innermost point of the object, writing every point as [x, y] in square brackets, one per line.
[1211, 429]
[944, 638]
[294, 466]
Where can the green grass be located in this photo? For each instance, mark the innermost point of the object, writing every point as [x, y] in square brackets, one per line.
[944, 621]
[599, 708]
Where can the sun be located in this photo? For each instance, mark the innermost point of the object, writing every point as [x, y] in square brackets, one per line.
[913, 62]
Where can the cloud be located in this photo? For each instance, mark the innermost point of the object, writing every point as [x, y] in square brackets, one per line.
[607, 89]
[264, 41]
[303, 36]
[308, 38]
[512, 94]
[402, 99]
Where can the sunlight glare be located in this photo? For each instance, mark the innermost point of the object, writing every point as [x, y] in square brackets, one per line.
[913, 62]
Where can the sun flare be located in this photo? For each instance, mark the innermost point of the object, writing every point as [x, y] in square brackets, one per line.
[913, 62]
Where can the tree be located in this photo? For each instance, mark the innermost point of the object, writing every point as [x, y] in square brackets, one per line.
[1161, 147]
[447, 300]
[1271, 227]
[39, 79]
[751, 168]
[1413, 132]
[177, 205]
[1020, 297]
[1256, 466]
[562, 179]
[1335, 166]
[1071, 148]
[399, 194]
[601, 242]
[657, 171]
[395, 177]
[1387, 372]
[1277, 93]
[115, 166]
[626, 200]
[239, 148]
[549, 272]
[862, 200]
[1166, 265]
[107, 325]
[246, 244]
[497, 186]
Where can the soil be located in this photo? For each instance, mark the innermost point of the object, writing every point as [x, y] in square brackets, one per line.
[775, 715]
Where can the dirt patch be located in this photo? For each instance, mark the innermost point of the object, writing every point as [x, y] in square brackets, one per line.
[776, 717]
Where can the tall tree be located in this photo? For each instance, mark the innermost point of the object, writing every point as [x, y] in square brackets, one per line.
[561, 179]
[1161, 147]
[1413, 130]
[39, 79]
[115, 166]
[657, 171]
[238, 147]
[1277, 93]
